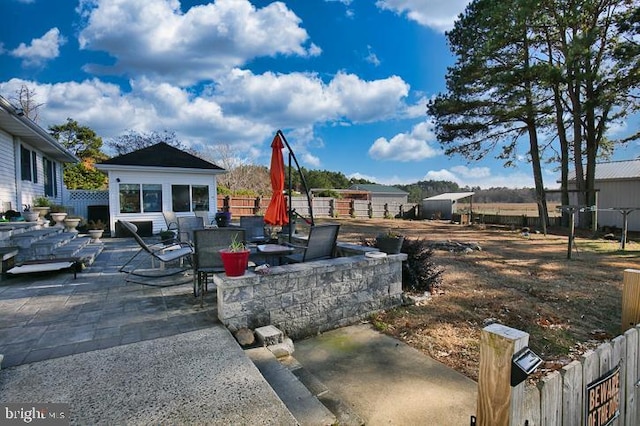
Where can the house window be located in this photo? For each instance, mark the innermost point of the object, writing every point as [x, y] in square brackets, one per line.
[200, 197]
[186, 198]
[129, 198]
[180, 198]
[152, 197]
[137, 198]
[50, 178]
[25, 163]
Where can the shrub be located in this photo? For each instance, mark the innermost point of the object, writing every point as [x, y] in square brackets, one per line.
[419, 272]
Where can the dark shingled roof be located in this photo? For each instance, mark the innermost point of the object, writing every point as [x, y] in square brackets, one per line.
[161, 155]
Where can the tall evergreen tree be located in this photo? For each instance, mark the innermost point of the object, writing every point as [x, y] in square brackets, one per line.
[85, 144]
[493, 101]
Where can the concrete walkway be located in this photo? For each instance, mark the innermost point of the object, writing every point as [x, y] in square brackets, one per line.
[123, 353]
[385, 381]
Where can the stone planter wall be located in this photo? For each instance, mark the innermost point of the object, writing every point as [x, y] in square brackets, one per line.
[306, 298]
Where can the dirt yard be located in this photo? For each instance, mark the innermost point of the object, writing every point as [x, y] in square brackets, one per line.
[522, 281]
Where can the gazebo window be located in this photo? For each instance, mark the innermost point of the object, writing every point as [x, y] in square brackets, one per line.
[138, 198]
[185, 198]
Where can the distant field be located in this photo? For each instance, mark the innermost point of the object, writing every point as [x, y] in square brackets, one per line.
[507, 209]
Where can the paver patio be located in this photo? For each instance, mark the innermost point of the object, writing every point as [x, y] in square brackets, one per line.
[45, 316]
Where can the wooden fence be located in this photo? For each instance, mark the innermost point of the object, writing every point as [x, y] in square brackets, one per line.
[322, 207]
[599, 389]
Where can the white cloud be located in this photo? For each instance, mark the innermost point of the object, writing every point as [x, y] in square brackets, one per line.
[437, 14]
[241, 109]
[372, 58]
[298, 99]
[474, 172]
[156, 38]
[413, 146]
[482, 177]
[41, 49]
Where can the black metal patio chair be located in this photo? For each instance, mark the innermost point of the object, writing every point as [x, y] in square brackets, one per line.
[321, 244]
[141, 269]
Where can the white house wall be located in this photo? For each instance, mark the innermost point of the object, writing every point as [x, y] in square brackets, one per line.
[8, 189]
[14, 190]
[615, 194]
[167, 179]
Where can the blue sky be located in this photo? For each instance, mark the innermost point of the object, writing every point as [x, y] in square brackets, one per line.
[346, 80]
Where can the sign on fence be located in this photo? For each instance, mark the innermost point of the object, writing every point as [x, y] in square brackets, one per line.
[603, 399]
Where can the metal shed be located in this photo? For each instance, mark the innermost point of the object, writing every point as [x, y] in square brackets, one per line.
[443, 205]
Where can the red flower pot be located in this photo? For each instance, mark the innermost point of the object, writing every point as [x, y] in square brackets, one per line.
[235, 262]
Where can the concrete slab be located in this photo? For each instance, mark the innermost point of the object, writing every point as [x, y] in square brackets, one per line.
[199, 377]
[385, 381]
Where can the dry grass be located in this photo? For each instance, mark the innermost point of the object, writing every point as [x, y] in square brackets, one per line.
[507, 209]
[524, 282]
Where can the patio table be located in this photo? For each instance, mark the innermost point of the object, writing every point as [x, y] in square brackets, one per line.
[272, 252]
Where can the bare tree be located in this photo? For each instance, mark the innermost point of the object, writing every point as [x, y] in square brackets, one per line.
[241, 177]
[26, 99]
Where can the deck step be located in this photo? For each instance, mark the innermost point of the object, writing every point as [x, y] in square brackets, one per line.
[26, 238]
[302, 404]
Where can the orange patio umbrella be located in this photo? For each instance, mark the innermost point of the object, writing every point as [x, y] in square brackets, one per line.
[277, 210]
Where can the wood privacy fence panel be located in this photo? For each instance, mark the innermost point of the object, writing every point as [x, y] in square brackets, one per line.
[342, 207]
[560, 398]
[361, 208]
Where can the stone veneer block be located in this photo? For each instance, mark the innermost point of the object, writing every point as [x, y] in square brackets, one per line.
[307, 298]
[269, 335]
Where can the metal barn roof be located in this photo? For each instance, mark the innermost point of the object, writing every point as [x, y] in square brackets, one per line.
[450, 196]
[627, 169]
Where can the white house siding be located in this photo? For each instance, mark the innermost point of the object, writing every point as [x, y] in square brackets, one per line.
[168, 178]
[28, 190]
[614, 194]
[8, 189]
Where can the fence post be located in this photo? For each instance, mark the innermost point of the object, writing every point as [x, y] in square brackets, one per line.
[498, 402]
[352, 208]
[226, 204]
[256, 205]
[630, 299]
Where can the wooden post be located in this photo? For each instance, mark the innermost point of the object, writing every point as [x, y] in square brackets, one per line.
[630, 299]
[572, 230]
[498, 402]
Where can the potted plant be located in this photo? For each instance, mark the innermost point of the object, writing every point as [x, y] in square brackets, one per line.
[58, 213]
[71, 223]
[167, 236]
[390, 242]
[42, 205]
[28, 215]
[95, 229]
[235, 258]
[223, 218]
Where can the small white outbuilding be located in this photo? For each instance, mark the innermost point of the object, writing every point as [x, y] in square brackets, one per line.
[442, 205]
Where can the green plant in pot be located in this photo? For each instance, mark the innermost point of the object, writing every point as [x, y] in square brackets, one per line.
[28, 214]
[390, 242]
[42, 205]
[95, 229]
[167, 236]
[235, 258]
[58, 213]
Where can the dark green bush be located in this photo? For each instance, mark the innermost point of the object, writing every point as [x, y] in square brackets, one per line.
[419, 272]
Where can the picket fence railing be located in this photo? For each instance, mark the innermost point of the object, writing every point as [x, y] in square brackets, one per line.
[600, 388]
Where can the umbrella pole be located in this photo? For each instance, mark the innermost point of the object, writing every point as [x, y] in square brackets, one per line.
[289, 203]
[302, 179]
